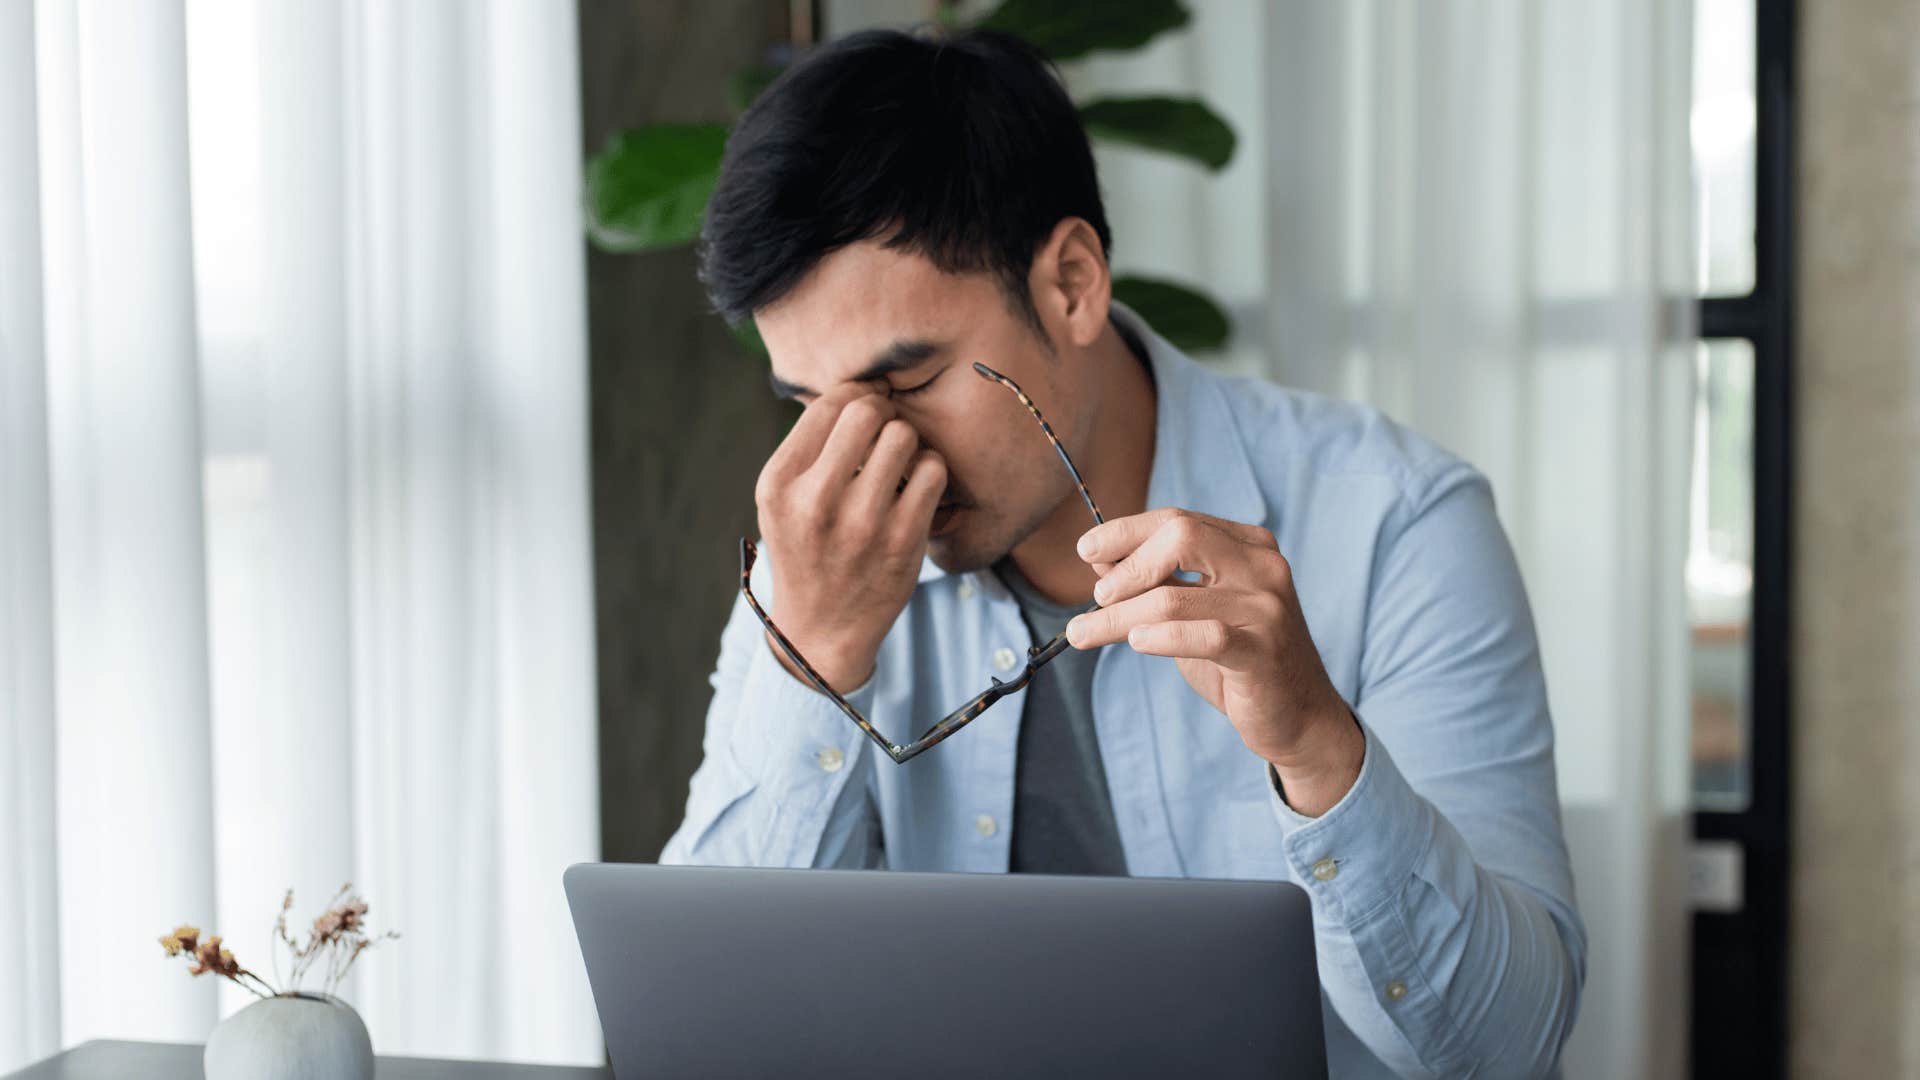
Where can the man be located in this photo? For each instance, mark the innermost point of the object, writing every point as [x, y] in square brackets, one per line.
[1312, 660]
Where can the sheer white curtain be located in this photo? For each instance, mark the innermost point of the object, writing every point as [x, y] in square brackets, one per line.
[294, 563]
[28, 1021]
[1475, 215]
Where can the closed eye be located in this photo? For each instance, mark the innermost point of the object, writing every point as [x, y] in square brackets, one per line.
[904, 391]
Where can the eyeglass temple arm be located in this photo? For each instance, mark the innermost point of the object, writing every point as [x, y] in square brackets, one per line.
[747, 556]
[991, 375]
[1037, 656]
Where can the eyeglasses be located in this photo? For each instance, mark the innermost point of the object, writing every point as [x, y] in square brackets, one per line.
[1037, 656]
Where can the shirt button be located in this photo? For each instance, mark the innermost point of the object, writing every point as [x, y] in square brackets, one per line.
[1396, 990]
[830, 759]
[1326, 870]
[986, 825]
[1004, 659]
[966, 588]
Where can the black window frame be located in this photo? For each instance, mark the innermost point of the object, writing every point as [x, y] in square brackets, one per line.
[1739, 984]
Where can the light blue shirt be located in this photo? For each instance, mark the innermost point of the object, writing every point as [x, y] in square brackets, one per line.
[1448, 939]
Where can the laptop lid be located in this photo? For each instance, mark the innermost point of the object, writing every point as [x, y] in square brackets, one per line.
[714, 971]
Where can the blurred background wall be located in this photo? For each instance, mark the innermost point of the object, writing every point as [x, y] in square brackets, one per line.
[681, 422]
[1856, 748]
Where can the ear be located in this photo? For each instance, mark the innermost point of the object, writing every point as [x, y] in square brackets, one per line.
[1071, 285]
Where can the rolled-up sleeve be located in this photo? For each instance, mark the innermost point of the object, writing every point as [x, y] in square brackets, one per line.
[784, 780]
[1442, 892]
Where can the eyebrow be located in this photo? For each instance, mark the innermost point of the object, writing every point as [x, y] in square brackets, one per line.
[898, 356]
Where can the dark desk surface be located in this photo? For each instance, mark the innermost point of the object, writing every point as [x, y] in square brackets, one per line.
[111, 1060]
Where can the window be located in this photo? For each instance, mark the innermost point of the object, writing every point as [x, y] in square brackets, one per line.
[1720, 527]
[1723, 128]
[1737, 568]
[1720, 571]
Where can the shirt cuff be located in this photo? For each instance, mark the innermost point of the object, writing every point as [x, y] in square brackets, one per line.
[790, 738]
[1359, 855]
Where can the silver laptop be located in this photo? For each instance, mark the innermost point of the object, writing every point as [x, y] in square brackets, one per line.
[707, 971]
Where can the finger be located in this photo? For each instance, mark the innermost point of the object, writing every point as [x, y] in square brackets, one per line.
[1116, 539]
[1189, 639]
[851, 440]
[801, 448]
[1184, 542]
[883, 474]
[912, 513]
[1107, 625]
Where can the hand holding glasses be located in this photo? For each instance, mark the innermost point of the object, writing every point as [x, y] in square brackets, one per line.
[1037, 656]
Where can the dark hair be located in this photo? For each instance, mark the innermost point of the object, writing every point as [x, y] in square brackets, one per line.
[962, 148]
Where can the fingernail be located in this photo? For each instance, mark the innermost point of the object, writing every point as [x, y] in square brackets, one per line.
[1085, 546]
[1101, 590]
[1073, 631]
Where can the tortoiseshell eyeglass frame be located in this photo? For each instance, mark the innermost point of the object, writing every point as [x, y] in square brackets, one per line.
[1037, 656]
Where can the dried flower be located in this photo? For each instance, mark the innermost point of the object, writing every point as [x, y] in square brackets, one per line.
[213, 958]
[181, 940]
[339, 936]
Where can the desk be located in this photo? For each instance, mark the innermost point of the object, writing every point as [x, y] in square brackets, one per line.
[104, 1059]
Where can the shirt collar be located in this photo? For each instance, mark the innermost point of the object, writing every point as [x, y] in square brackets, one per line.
[1199, 458]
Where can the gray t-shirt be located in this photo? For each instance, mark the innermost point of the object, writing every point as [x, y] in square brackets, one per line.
[1062, 813]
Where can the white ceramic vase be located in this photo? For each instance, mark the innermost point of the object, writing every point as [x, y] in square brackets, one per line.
[291, 1037]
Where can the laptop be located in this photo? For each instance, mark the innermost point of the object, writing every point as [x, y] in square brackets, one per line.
[716, 971]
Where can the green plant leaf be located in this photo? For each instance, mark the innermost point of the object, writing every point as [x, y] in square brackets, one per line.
[1188, 319]
[747, 83]
[649, 187]
[748, 335]
[1180, 126]
[1066, 29]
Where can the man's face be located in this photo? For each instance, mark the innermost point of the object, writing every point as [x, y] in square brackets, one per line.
[894, 320]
